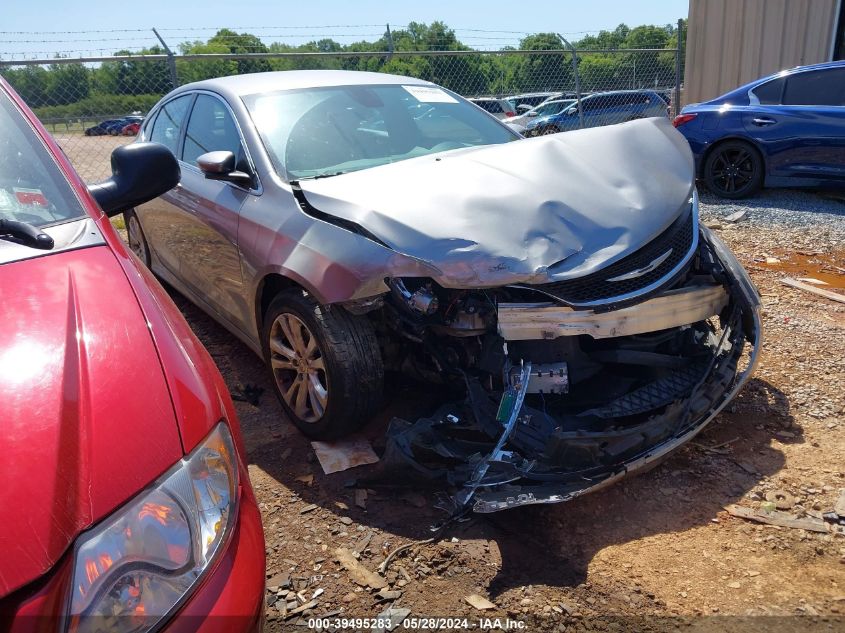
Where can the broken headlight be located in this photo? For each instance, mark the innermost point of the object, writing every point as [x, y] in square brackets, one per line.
[136, 567]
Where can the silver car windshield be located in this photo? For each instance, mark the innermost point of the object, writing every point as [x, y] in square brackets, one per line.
[32, 189]
[320, 132]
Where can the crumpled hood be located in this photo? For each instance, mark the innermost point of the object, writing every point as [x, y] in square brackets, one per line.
[86, 420]
[532, 211]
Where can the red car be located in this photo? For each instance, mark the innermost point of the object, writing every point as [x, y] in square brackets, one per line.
[131, 129]
[126, 503]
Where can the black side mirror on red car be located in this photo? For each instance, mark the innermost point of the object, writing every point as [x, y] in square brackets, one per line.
[140, 172]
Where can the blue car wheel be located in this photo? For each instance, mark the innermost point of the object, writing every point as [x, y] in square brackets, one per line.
[733, 169]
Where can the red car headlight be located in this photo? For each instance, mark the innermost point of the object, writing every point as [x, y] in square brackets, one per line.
[138, 565]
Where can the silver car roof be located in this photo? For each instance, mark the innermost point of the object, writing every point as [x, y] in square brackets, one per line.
[255, 83]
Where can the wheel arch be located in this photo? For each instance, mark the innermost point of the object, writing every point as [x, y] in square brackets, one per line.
[270, 285]
[725, 139]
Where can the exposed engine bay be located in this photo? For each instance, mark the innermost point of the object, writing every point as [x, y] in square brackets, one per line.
[563, 399]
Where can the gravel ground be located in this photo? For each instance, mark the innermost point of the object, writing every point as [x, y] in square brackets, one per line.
[653, 553]
[783, 209]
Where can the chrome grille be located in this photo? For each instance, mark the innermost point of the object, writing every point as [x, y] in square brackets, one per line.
[635, 272]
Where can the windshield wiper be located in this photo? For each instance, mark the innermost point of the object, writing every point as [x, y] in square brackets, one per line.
[26, 234]
[318, 176]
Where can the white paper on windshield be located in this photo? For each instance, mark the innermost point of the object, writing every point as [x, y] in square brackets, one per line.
[430, 94]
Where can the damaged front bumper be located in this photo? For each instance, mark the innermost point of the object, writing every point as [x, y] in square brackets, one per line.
[697, 342]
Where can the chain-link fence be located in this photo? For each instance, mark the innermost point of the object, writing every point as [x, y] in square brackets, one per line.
[93, 104]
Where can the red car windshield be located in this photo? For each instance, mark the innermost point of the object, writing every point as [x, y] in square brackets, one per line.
[32, 188]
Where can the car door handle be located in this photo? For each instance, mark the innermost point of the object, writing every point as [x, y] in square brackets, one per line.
[763, 121]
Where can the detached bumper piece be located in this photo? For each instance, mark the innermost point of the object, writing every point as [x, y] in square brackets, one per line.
[630, 386]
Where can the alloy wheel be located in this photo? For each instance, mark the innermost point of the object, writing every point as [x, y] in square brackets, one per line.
[298, 367]
[734, 170]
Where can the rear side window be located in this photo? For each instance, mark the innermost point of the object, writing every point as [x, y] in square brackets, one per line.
[817, 87]
[597, 103]
[770, 92]
[168, 123]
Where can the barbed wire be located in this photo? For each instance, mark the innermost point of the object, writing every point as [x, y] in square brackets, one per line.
[138, 41]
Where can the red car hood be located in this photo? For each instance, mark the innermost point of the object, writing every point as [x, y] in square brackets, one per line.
[86, 419]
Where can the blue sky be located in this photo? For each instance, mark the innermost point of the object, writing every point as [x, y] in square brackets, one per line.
[295, 22]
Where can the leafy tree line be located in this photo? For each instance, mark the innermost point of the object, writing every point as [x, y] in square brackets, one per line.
[114, 87]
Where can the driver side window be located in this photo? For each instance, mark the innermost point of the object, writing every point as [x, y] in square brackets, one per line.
[211, 128]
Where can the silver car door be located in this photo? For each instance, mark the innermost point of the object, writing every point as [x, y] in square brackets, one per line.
[208, 229]
[159, 216]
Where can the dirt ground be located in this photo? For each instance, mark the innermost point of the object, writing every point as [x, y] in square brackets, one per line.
[656, 552]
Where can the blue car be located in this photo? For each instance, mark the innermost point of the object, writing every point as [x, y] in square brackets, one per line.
[785, 130]
[601, 108]
[112, 126]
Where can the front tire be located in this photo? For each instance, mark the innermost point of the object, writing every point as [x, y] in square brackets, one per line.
[325, 364]
[136, 238]
[734, 170]
[551, 129]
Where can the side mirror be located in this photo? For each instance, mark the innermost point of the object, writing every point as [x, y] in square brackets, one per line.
[220, 165]
[532, 113]
[140, 172]
[523, 107]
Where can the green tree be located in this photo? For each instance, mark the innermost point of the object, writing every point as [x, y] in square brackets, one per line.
[544, 71]
[242, 43]
[30, 82]
[67, 83]
[190, 70]
[134, 76]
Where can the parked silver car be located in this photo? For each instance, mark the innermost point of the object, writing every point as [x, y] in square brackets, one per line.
[499, 108]
[343, 224]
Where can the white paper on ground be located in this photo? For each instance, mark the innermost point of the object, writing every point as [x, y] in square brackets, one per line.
[344, 454]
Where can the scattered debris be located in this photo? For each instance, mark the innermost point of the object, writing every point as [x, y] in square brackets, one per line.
[308, 508]
[772, 260]
[389, 594]
[718, 448]
[359, 574]
[794, 283]
[813, 280]
[363, 543]
[782, 499]
[301, 608]
[279, 581]
[361, 498]
[393, 618]
[736, 217]
[479, 602]
[781, 519]
[839, 506]
[247, 393]
[342, 455]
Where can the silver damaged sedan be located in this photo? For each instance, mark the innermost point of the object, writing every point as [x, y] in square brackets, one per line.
[346, 224]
